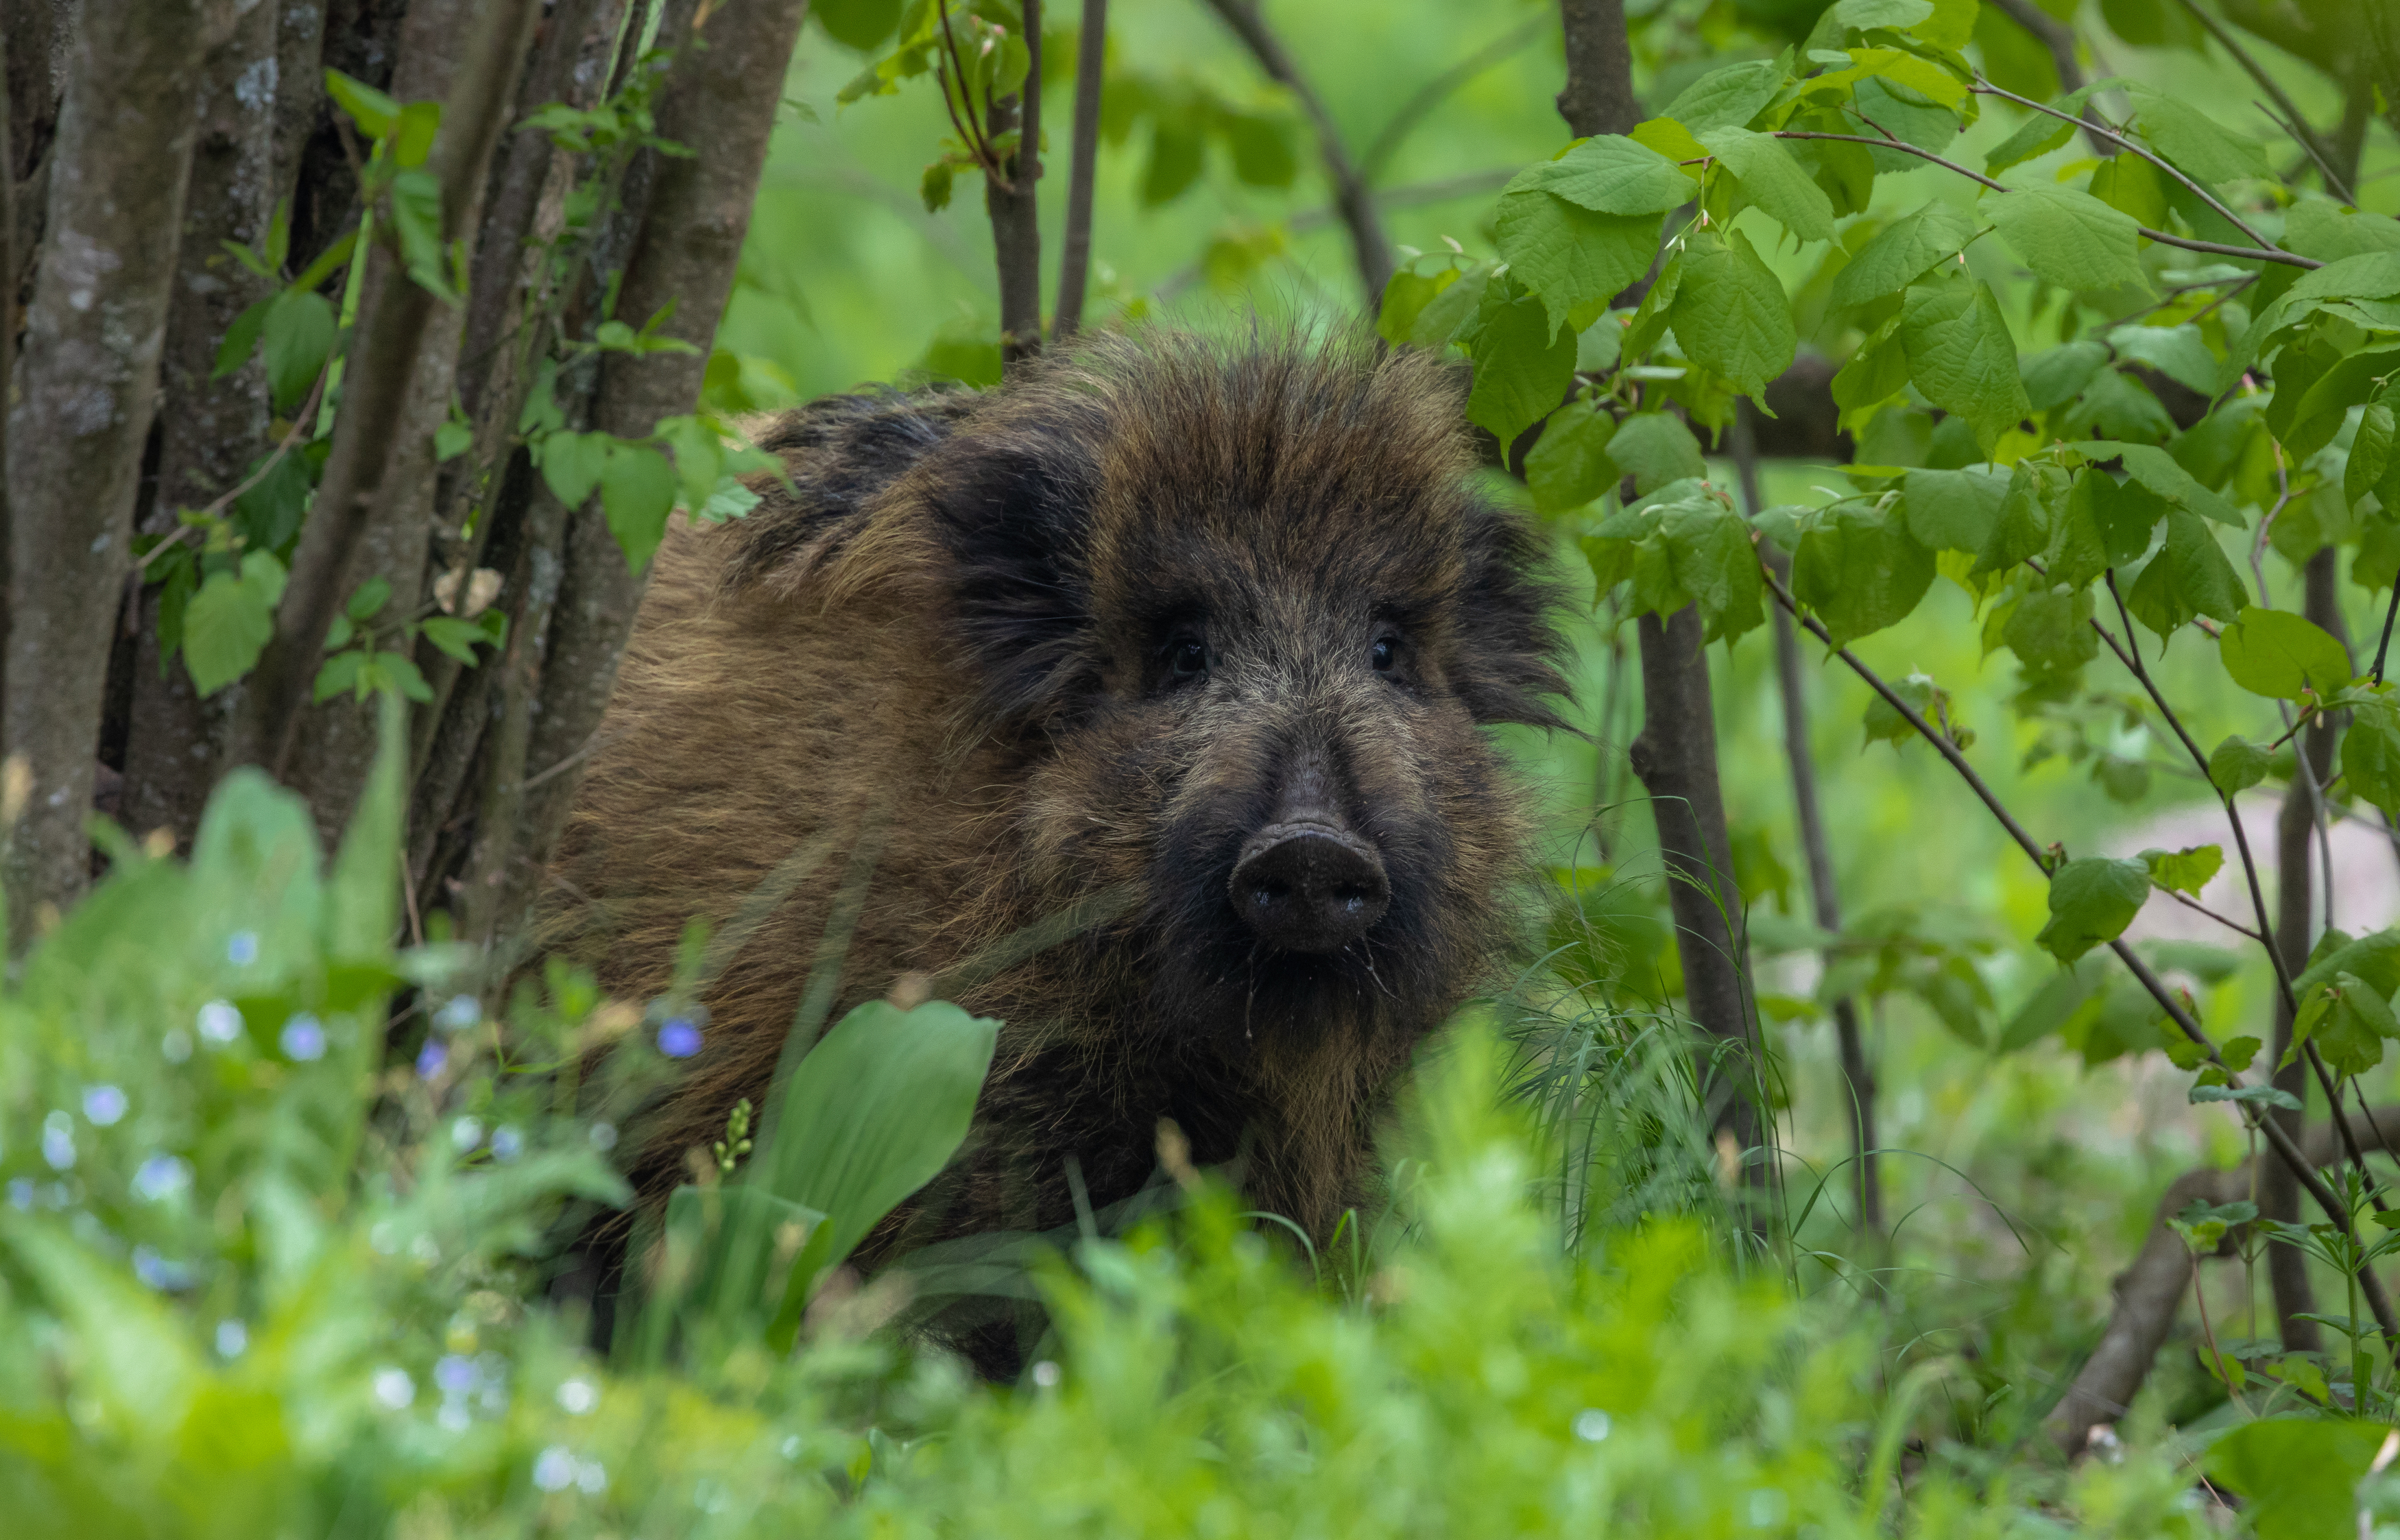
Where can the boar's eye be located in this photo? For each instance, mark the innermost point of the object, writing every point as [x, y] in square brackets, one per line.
[1187, 658]
[1383, 654]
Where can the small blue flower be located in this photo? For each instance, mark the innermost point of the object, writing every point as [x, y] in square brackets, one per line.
[679, 1037]
[102, 1105]
[430, 1061]
[58, 1142]
[303, 1038]
[455, 1374]
[507, 1143]
[165, 1276]
[21, 1193]
[467, 1133]
[241, 949]
[460, 1012]
[233, 1338]
[176, 1045]
[553, 1470]
[161, 1177]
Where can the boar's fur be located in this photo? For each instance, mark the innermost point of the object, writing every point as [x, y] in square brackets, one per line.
[1199, 635]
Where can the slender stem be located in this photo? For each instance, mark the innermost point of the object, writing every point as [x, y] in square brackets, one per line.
[1075, 246]
[2317, 149]
[302, 421]
[2259, 254]
[2285, 1148]
[1984, 88]
[2383, 646]
[2196, 906]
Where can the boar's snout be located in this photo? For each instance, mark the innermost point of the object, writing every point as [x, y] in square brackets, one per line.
[1309, 887]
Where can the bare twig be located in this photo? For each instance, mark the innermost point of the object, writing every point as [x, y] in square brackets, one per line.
[2259, 254]
[2317, 149]
[1373, 252]
[302, 421]
[1075, 243]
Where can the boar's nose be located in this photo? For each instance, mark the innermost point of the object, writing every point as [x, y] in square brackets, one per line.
[1309, 887]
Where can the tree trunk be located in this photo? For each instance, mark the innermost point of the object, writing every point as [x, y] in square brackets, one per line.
[1676, 754]
[218, 427]
[1016, 217]
[723, 96]
[85, 395]
[1075, 244]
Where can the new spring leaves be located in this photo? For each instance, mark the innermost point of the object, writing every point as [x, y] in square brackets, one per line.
[1637, 299]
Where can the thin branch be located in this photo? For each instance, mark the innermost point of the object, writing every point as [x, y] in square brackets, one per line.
[1016, 217]
[2335, 1209]
[1984, 88]
[2261, 253]
[1372, 251]
[302, 421]
[2299, 126]
[1075, 247]
[1405, 119]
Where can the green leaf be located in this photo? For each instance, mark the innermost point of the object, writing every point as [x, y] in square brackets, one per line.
[2238, 764]
[571, 464]
[2370, 753]
[2021, 530]
[2370, 454]
[2177, 352]
[2060, 997]
[2192, 140]
[1569, 255]
[454, 637]
[2187, 870]
[368, 599]
[1901, 253]
[1710, 550]
[1954, 510]
[2067, 237]
[1960, 354]
[2051, 630]
[299, 334]
[2039, 132]
[1569, 466]
[1771, 179]
[2277, 653]
[637, 489]
[2124, 514]
[859, 24]
[1655, 449]
[2164, 474]
[874, 1113]
[2092, 900]
[1726, 97]
[374, 112]
[1731, 314]
[229, 621]
[241, 337]
[1898, 15]
[1859, 569]
[2058, 375]
[2323, 229]
[1610, 174]
[2189, 576]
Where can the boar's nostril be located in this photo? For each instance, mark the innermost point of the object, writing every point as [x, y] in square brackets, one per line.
[1309, 887]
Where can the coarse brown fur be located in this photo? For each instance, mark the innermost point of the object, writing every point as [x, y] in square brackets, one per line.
[952, 643]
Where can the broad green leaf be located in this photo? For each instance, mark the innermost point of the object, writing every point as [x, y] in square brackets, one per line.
[1903, 254]
[2238, 764]
[1898, 15]
[2194, 141]
[2185, 871]
[299, 334]
[2022, 527]
[1771, 179]
[2092, 900]
[1951, 25]
[2164, 474]
[1726, 97]
[1655, 449]
[1569, 466]
[2189, 576]
[2134, 186]
[2370, 454]
[2323, 229]
[2051, 630]
[1861, 570]
[241, 337]
[2369, 275]
[1405, 298]
[1908, 116]
[374, 112]
[637, 490]
[1886, 725]
[1731, 314]
[1569, 255]
[2061, 995]
[1877, 371]
[1913, 71]
[1709, 549]
[2125, 514]
[2370, 753]
[2040, 133]
[571, 464]
[1524, 364]
[1954, 510]
[2177, 352]
[1610, 174]
[1960, 354]
[229, 621]
[860, 24]
[2069, 238]
[2277, 653]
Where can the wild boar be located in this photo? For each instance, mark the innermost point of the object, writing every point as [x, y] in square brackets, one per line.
[1197, 635]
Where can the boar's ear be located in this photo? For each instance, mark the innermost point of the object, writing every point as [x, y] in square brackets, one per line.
[1507, 642]
[1014, 510]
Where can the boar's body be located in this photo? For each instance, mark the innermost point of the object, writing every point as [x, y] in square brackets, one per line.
[1193, 635]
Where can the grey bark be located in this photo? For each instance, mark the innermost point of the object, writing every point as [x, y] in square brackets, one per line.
[1351, 198]
[1016, 216]
[1824, 895]
[377, 390]
[330, 761]
[724, 97]
[1599, 94]
[218, 427]
[7, 328]
[85, 389]
[2148, 1295]
[1075, 246]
